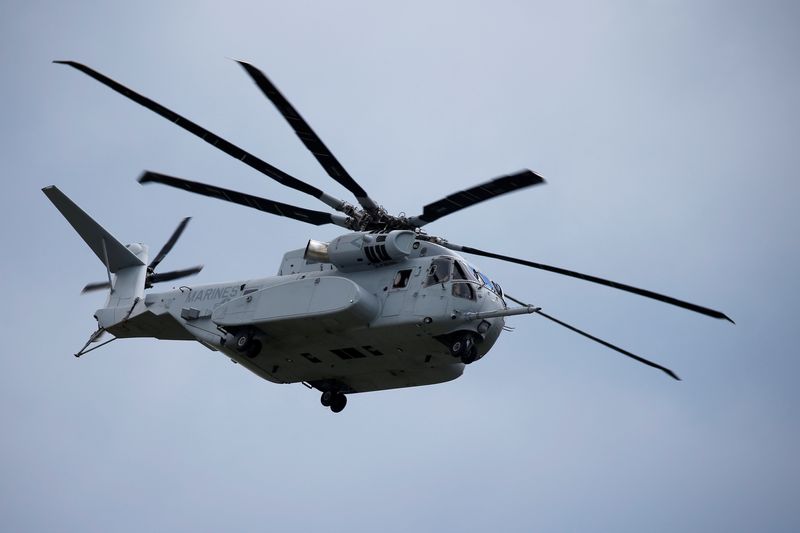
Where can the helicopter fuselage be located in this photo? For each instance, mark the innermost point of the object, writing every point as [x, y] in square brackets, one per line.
[387, 326]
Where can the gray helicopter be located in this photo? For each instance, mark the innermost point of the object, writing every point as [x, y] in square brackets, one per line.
[383, 306]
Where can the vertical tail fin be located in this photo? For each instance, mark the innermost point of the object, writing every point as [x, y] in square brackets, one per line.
[127, 263]
[112, 253]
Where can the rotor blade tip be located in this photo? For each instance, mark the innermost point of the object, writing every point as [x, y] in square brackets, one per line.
[672, 374]
[244, 64]
[67, 62]
[729, 319]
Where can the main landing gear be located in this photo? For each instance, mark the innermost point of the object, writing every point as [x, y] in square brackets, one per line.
[246, 344]
[335, 400]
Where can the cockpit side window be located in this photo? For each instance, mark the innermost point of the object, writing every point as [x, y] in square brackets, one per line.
[463, 289]
[401, 279]
[462, 272]
[439, 271]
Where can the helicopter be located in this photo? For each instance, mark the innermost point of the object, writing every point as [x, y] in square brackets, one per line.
[385, 305]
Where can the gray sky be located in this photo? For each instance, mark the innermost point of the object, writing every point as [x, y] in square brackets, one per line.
[667, 132]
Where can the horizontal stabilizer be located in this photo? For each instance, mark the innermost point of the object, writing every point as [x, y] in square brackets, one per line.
[99, 240]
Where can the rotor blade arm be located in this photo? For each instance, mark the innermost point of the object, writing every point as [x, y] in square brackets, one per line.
[594, 279]
[475, 195]
[607, 344]
[309, 138]
[309, 216]
[642, 360]
[229, 148]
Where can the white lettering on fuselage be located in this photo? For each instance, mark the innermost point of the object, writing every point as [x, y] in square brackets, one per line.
[217, 293]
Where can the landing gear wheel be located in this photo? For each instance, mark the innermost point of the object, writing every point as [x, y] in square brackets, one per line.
[470, 357]
[338, 402]
[254, 349]
[326, 398]
[462, 346]
[243, 341]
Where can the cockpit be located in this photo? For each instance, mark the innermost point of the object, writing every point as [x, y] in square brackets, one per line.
[466, 278]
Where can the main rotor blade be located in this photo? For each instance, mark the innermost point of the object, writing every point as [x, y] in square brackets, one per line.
[169, 244]
[594, 279]
[96, 286]
[229, 148]
[173, 274]
[647, 362]
[310, 139]
[475, 195]
[309, 216]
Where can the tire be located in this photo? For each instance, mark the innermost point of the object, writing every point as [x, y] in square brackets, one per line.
[470, 357]
[254, 349]
[326, 398]
[242, 341]
[462, 346]
[456, 348]
[338, 403]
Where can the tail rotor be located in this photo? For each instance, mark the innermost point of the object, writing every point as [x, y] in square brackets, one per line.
[153, 277]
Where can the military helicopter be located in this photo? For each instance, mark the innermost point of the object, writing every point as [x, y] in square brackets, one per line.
[384, 306]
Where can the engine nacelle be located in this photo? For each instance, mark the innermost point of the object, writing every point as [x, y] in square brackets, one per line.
[358, 251]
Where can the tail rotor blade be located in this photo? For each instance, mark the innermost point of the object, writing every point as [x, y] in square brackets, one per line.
[173, 274]
[169, 244]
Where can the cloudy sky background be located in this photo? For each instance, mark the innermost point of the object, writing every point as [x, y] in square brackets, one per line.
[668, 133]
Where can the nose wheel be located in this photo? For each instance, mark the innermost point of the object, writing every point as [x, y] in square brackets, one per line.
[463, 347]
[335, 400]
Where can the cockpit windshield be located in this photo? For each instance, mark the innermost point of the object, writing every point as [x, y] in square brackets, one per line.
[444, 269]
[481, 276]
[488, 283]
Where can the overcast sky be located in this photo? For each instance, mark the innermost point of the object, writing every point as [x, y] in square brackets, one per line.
[668, 134]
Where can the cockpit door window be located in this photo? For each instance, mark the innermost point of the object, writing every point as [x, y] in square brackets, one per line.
[439, 271]
[462, 289]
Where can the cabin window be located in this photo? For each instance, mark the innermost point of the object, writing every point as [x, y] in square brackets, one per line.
[439, 271]
[401, 279]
